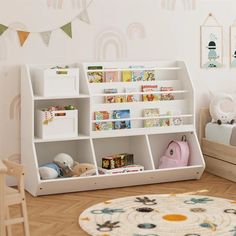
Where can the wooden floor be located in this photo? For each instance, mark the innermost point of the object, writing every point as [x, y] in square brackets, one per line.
[58, 214]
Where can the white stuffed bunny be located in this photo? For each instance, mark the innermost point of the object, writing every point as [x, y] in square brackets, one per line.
[217, 114]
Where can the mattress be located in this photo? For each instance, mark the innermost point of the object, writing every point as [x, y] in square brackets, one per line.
[224, 133]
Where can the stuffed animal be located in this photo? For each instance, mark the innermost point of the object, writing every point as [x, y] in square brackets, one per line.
[83, 169]
[218, 115]
[49, 171]
[65, 162]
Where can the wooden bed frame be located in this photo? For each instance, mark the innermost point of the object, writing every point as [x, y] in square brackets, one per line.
[220, 158]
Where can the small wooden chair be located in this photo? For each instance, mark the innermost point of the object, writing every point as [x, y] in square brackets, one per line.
[12, 196]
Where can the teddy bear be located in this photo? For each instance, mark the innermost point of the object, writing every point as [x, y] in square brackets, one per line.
[83, 169]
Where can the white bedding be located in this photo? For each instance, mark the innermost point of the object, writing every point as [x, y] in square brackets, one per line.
[220, 133]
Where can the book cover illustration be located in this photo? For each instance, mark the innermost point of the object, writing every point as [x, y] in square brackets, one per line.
[120, 98]
[137, 75]
[103, 115]
[149, 75]
[95, 76]
[126, 76]
[121, 114]
[111, 76]
[150, 96]
[167, 96]
[110, 99]
[166, 121]
[131, 97]
[152, 112]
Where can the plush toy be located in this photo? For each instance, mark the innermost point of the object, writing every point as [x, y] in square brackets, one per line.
[83, 169]
[65, 162]
[218, 115]
[49, 171]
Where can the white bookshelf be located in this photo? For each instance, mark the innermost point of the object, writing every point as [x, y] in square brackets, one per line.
[146, 143]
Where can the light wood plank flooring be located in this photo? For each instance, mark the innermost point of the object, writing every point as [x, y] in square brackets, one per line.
[57, 215]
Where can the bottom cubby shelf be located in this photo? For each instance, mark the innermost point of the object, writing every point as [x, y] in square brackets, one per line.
[147, 150]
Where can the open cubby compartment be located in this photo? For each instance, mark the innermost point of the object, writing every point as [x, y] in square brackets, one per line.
[82, 104]
[159, 143]
[136, 145]
[80, 150]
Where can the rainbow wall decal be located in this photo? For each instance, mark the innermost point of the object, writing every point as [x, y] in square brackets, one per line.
[110, 45]
[136, 30]
[14, 111]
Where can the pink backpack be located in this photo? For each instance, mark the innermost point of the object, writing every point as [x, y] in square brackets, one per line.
[176, 154]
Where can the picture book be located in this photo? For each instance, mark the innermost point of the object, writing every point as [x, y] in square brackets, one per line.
[103, 115]
[137, 75]
[150, 96]
[111, 76]
[149, 75]
[152, 112]
[131, 97]
[99, 126]
[125, 169]
[166, 121]
[121, 114]
[126, 76]
[110, 98]
[167, 96]
[95, 76]
[120, 98]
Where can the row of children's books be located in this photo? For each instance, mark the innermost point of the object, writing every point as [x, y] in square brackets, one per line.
[129, 75]
[153, 118]
[150, 94]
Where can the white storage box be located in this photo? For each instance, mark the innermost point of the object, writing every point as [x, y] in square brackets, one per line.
[56, 82]
[56, 124]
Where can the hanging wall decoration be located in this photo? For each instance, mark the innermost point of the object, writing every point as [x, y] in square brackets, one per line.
[211, 43]
[233, 45]
[66, 28]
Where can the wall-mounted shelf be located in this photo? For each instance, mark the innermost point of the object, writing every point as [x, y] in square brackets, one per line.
[90, 145]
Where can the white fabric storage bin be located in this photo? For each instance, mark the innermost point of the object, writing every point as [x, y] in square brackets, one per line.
[64, 123]
[56, 82]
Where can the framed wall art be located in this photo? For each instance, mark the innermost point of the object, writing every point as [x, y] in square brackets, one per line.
[233, 45]
[211, 43]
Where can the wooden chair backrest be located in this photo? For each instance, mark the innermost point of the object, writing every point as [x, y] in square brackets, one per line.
[15, 170]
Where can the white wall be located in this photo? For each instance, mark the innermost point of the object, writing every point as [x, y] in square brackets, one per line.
[142, 30]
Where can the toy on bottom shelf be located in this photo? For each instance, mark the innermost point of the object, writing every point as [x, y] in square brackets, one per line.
[118, 160]
[84, 169]
[218, 107]
[65, 162]
[176, 155]
[49, 171]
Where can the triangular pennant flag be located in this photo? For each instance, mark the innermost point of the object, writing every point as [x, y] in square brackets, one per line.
[83, 16]
[23, 35]
[67, 29]
[46, 37]
[3, 28]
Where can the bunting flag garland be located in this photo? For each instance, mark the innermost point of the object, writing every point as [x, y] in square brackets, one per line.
[3, 28]
[67, 29]
[46, 35]
[23, 35]
[83, 16]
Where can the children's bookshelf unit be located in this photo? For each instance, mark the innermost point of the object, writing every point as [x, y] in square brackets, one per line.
[90, 145]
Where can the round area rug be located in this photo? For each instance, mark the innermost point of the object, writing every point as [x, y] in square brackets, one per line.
[161, 215]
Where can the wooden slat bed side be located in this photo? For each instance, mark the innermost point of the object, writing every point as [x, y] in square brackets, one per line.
[219, 151]
[205, 117]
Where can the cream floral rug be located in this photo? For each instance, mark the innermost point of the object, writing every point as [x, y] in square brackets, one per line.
[161, 215]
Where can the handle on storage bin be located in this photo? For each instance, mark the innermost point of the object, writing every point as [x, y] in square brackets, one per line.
[62, 72]
[60, 114]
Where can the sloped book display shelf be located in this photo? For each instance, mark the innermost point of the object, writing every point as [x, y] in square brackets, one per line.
[115, 101]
